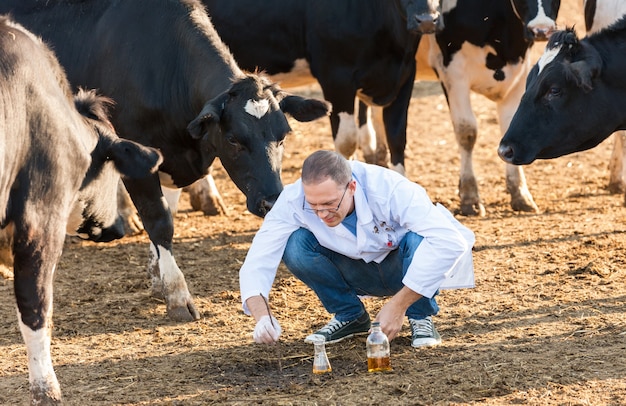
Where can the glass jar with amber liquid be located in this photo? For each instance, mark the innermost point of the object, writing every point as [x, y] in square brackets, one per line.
[321, 365]
[378, 352]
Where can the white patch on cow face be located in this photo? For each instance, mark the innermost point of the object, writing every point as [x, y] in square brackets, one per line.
[257, 108]
[548, 56]
[541, 20]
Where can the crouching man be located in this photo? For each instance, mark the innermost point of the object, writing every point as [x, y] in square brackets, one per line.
[349, 229]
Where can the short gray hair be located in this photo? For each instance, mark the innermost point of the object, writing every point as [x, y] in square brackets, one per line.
[322, 165]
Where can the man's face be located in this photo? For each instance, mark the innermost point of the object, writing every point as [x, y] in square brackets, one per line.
[330, 201]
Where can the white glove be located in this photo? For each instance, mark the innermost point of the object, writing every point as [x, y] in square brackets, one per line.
[267, 330]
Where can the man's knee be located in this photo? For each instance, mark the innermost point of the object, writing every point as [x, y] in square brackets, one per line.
[299, 243]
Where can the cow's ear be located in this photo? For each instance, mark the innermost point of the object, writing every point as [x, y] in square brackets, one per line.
[304, 109]
[582, 74]
[134, 160]
[585, 70]
[210, 114]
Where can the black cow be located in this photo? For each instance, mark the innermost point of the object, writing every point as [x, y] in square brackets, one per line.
[59, 171]
[483, 47]
[177, 88]
[575, 97]
[351, 48]
[363, 48]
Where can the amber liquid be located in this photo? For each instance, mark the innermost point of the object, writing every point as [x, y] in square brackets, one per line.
[378, 364]
[322, 369]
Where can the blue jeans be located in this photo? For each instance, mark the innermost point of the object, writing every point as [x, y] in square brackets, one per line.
[338, 280]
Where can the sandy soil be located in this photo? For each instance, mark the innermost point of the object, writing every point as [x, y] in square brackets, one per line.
[545, 325]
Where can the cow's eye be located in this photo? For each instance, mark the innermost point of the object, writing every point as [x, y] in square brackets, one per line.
[553, 92]
[233, 141]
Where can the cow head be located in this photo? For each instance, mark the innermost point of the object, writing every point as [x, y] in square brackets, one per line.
[554, 117]
[422, 16]
[246, 127]
[539, 16]
[94, 214]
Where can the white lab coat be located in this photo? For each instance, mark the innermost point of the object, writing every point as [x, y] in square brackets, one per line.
[388, 205]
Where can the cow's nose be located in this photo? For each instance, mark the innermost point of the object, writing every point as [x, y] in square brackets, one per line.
[426, 23]
[266, 206]
[542, 34]
[506, 153]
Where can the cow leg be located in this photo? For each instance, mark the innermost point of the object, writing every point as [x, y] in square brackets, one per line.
[616, 164]
[167, 279]
[172, 197]
[36, 254]
[342, 120]
[127, 211]
[465, 130]
[204, 196]
[521, 199]
[382, 150]
[366, 135]
[6, 252]
[395, 120]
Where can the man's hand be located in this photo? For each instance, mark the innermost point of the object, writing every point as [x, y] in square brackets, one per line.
[391, 316]
[267, 330]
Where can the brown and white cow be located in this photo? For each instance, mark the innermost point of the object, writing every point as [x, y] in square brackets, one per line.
[60, 165]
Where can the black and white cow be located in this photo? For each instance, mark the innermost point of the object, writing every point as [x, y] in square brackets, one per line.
[353, 48]
[600, 14]
[176, 88]
[58, 172]
[482, 47]
[575, 97]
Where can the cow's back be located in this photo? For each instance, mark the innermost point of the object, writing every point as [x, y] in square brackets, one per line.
[275, 25]
[40, 131]
[141, 54]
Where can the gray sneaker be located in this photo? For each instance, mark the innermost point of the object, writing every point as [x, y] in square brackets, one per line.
[424, 333]
[336, 330]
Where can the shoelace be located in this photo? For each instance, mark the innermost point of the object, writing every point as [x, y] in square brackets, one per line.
[333, 326]
[423, 328]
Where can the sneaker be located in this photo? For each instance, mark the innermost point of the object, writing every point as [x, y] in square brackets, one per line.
[337, 330]
[424, 333]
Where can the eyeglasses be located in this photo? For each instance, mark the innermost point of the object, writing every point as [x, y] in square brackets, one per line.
[329, 210]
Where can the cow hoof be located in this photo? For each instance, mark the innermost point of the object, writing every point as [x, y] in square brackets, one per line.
[132, 224]
[183, 313]
[616, 188]
[473, 209]
[203, 198]
[46, 396]
[525, 206]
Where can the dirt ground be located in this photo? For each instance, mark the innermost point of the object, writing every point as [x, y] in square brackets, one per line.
[545, 325]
